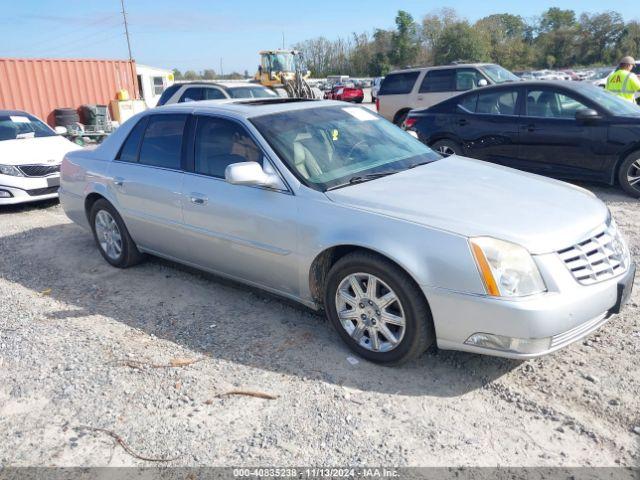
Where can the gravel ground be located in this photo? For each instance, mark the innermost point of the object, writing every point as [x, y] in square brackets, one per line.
[84, 346]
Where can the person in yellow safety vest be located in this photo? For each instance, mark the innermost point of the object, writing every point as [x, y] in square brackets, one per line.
[623, 82]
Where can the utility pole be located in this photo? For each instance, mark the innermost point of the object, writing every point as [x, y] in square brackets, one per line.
[126, 29]
[283, 40]
[221, 71]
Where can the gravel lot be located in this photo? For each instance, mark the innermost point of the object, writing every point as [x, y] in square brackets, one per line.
[85, 345]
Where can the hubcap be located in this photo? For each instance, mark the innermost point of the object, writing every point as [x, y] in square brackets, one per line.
[370, 312]
[108, 234]
[445, 151]
[633, 175]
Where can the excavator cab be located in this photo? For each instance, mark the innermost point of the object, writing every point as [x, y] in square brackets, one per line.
[283, 69]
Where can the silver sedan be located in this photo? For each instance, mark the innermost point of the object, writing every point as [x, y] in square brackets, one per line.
[332, 206]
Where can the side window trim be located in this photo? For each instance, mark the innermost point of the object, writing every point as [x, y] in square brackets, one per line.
[192, 151]
[144, 122]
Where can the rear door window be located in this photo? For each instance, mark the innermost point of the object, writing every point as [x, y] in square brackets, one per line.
[398, 83]
[468, 103]
[192, 94]
[162, 142]
[497, 103]
[438, 81]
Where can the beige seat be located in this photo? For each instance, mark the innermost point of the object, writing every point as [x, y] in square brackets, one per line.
[303, 159]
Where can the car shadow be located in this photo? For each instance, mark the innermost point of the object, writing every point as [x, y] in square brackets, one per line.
[221, 318]
[27, 207]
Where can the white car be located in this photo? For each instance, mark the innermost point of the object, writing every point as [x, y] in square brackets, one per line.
[30, 157]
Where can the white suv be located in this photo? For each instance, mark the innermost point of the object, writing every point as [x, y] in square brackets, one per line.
[405, 90]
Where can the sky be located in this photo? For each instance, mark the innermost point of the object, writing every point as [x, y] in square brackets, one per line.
[199, 34]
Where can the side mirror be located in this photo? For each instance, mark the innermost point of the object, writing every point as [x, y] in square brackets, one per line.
[587, 114]
[60, 130]
[251, 173]
[482, 82]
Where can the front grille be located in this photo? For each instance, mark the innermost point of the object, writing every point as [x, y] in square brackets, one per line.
[36, 192]
[598, 258]
[38, 170]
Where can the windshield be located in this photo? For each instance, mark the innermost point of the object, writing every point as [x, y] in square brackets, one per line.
[251, 92]
[18, 126]
[497, 74]
[614, 104]
[328, 147]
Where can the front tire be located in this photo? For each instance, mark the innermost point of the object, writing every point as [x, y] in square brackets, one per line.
[112, 237]
[446, 148]
[629, 175]
[377, 309]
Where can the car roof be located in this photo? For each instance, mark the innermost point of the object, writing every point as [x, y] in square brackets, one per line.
[206, 83]
[247, 108]
[13, 112]
[439, 67]
[537, 83]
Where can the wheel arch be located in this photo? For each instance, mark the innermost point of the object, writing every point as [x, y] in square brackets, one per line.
[635, 148]
[400, 112]
[323, 262]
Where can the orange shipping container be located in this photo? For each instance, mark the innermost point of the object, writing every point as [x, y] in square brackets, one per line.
[39, 86]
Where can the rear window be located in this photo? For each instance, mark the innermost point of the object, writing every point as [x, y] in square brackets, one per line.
[398, 83]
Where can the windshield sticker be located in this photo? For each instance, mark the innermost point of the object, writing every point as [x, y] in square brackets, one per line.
[335, 135]
[360, 113]
[26, 135]
[19, 119]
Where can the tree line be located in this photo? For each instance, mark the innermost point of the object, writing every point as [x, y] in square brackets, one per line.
[207, 74]
[556, 39]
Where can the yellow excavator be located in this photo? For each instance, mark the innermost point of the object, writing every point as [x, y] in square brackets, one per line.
[283, 70]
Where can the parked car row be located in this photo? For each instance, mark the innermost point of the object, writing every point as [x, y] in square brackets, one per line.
[405, 90]
[569, 130]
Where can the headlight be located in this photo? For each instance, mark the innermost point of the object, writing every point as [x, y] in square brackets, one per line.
[507, 269]
[10, 170]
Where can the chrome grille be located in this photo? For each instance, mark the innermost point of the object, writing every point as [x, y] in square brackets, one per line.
[598, 258]
[38, 170]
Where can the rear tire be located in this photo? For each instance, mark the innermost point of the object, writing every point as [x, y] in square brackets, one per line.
[446, 148]
[112, 237]
[629, 175]
[391, 313]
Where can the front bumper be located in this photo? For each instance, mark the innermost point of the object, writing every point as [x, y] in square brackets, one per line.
[535, 326]
[15, 190]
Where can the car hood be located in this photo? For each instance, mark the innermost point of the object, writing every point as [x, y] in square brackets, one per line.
[473, 198]
[35, 150]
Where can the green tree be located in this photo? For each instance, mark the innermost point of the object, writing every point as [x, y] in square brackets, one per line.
[177, 74]
[191, 75]
[404, 41]
[555, 18]
[505, 36]
[460, 41]
[600, 35]
[209, 74]
[629, 42]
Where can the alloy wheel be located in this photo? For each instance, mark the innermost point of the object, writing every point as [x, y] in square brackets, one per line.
[108, 234]
[370, 312]
[633, 175]
[445, 150]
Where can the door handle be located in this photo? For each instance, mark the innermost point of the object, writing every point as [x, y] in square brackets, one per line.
[118, 181]
[420, 98]
[530, 128]
[462, 122]
[198, 199]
